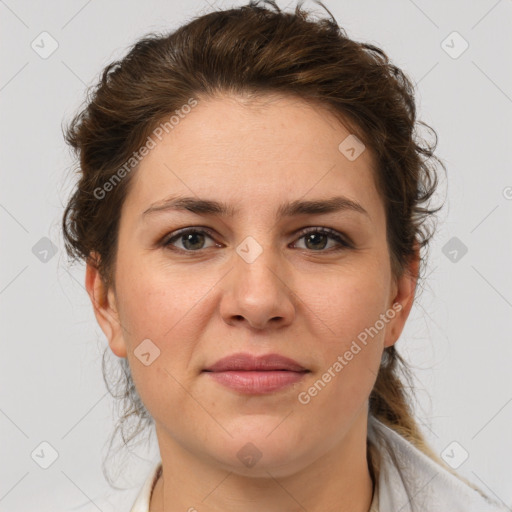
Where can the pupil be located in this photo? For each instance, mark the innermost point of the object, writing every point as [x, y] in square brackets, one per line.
[313, 235]
[190, 237]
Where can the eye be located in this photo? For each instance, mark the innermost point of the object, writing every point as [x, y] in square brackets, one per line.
[192, 239]
[316, 239]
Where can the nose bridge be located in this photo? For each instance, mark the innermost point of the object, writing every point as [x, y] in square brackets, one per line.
[256, 288]
[258, 267]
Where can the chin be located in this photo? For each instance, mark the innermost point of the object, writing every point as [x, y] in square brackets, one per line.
[253, 452]
[253, 462]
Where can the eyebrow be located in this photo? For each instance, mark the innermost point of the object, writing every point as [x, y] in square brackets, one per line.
[290, 209]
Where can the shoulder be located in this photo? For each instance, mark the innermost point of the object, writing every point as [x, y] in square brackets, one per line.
[119, 501]
[128, 500]
[411, 481]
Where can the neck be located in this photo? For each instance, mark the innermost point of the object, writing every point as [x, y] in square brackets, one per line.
[336, 481]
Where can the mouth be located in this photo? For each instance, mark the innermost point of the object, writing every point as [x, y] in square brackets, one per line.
[257, 382]
[249, 362]
[249, 374]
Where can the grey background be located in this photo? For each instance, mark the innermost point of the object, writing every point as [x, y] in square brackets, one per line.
[458, 338]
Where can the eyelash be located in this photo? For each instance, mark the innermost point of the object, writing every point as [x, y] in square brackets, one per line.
[331, 233]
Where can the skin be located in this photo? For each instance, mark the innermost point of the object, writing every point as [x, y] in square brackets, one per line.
[299, 298]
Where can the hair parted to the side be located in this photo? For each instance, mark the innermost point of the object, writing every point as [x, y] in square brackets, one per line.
[252, 51]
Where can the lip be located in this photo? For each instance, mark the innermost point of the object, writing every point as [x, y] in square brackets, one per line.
[251, 374]
[248, 362]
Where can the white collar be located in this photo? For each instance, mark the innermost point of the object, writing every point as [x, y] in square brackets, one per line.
[411, 483]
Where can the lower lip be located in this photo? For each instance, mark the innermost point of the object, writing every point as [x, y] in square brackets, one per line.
[257, 382]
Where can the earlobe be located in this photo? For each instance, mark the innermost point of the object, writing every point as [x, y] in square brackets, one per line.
[105, 307]
[403, 298]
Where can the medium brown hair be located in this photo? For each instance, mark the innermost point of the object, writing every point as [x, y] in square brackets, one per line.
[253, 51]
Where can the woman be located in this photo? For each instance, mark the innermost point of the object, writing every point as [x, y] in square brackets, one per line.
[252, 206]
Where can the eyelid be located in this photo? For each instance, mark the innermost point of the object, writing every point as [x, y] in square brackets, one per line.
[183, 231]
[342, 240]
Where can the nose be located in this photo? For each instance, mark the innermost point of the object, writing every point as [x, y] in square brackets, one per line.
[258, 293]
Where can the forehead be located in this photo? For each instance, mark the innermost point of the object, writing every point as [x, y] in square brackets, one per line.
[282, 127]
[229, 148]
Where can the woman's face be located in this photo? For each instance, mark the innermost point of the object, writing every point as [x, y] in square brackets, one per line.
[249, 280]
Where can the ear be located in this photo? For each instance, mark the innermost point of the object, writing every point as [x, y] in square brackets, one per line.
[402, 298]
[105, 308]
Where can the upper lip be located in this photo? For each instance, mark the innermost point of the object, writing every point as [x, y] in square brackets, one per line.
[267, 362]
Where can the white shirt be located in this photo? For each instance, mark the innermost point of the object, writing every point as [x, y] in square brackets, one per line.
[415, 483]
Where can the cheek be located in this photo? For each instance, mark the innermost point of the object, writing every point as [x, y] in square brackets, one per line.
[347, 309]
[160, 311]
[157, 302]
[347, 301]
[351, 352]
